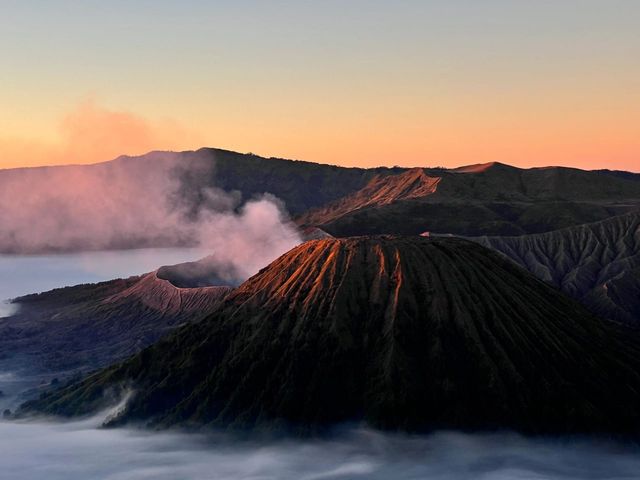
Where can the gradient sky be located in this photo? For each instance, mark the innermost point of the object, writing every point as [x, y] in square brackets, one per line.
[364, 83]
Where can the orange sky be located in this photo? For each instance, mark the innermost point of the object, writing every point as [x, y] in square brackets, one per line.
[364, 83]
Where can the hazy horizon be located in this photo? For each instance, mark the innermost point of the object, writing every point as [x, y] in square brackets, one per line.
[294, 158]
[356, 84]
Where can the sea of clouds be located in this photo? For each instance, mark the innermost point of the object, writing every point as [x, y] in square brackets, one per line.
[80, 451]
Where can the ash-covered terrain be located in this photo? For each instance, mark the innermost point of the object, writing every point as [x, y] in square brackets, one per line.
[596, 263]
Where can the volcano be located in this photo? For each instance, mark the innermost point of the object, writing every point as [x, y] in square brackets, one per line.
[83, 327]
[405, 333]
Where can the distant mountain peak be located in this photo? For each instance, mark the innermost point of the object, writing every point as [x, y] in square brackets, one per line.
[482, 167]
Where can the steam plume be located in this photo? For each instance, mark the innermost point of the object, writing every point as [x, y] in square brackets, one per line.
[157, 200]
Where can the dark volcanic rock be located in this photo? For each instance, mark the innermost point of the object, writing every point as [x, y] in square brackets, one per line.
[400, 332]
[85, 327]
[381, 190]
[202, 273]
[490, 199]
[598, 263]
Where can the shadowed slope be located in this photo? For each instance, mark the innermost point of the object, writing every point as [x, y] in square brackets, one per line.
[598, 263]
[85, 327]
[381, 190]
[407, 333]
[491, 199]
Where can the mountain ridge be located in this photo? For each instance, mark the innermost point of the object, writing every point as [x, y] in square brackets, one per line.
[488, 199]
[589, 262]
[491, 199]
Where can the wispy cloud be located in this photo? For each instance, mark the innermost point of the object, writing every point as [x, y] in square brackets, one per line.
[91, 133]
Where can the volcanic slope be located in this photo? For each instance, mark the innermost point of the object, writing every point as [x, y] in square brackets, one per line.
[383, 189]
[403, 333]
[487, 199]
[597, 263]
[88, 326]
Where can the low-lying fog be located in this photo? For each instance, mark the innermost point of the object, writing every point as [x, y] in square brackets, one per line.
[78, 450]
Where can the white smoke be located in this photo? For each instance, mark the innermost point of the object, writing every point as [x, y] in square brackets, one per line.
[7, 309]
[243, 243]
[159, 200]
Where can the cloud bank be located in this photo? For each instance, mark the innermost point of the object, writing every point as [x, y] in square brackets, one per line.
[78, 451]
